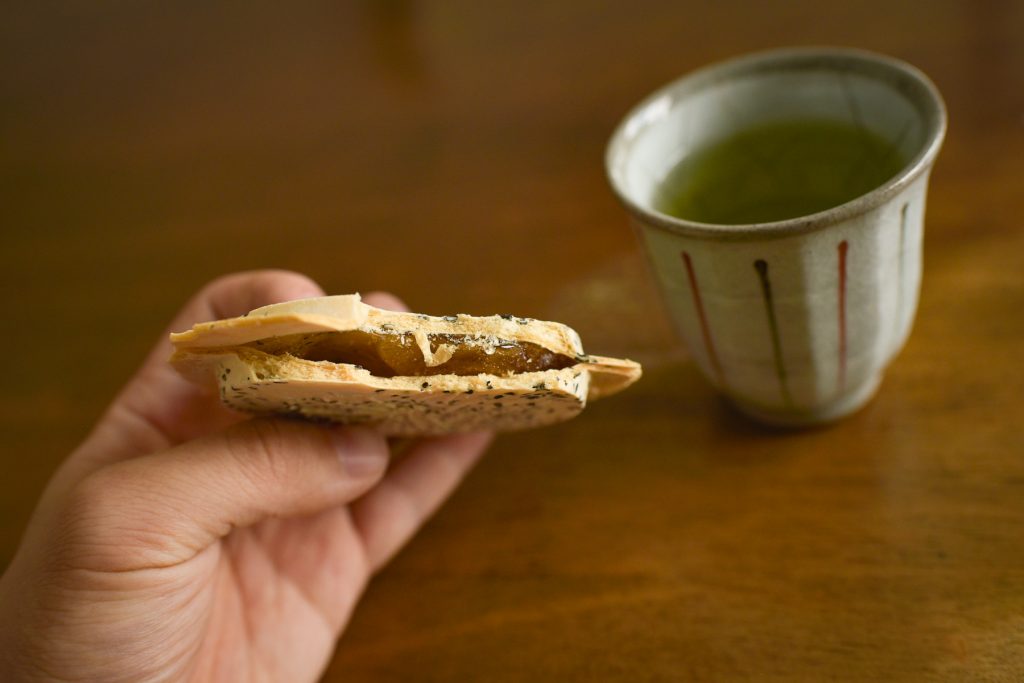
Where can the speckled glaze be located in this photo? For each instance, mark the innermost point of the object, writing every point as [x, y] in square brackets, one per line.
[794, 320]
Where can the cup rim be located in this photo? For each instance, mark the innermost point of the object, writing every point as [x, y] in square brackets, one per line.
[902, 75]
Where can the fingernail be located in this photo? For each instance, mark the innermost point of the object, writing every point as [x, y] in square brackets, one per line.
[362, 451]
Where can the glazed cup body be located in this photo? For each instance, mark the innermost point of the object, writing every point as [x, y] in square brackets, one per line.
[796, 320]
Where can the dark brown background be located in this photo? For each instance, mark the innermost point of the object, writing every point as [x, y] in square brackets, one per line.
[452, 152]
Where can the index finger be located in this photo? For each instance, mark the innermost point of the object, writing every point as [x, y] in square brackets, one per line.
[158, 408]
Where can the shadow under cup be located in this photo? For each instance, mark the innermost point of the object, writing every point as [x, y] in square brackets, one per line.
[794, 320]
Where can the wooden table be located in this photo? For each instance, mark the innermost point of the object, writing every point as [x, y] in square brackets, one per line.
[452, 152]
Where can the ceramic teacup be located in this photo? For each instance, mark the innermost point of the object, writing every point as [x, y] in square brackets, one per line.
[794, 320]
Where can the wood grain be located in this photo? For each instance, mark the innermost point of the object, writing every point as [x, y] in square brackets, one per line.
[452, 153]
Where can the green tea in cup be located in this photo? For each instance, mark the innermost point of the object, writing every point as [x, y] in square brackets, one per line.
[776, 171]
[780, 198]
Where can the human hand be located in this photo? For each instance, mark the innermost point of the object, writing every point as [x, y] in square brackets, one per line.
[181, 541]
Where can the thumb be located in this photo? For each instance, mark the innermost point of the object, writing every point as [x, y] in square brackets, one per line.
[161, 509]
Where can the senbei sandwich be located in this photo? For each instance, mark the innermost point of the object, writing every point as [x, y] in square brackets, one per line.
[337, 359]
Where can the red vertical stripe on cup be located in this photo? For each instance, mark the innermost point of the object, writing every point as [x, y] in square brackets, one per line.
[709, 345]
[900, 271]
[843, 248]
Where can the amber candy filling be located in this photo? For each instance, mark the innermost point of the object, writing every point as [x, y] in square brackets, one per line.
[398, 355]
